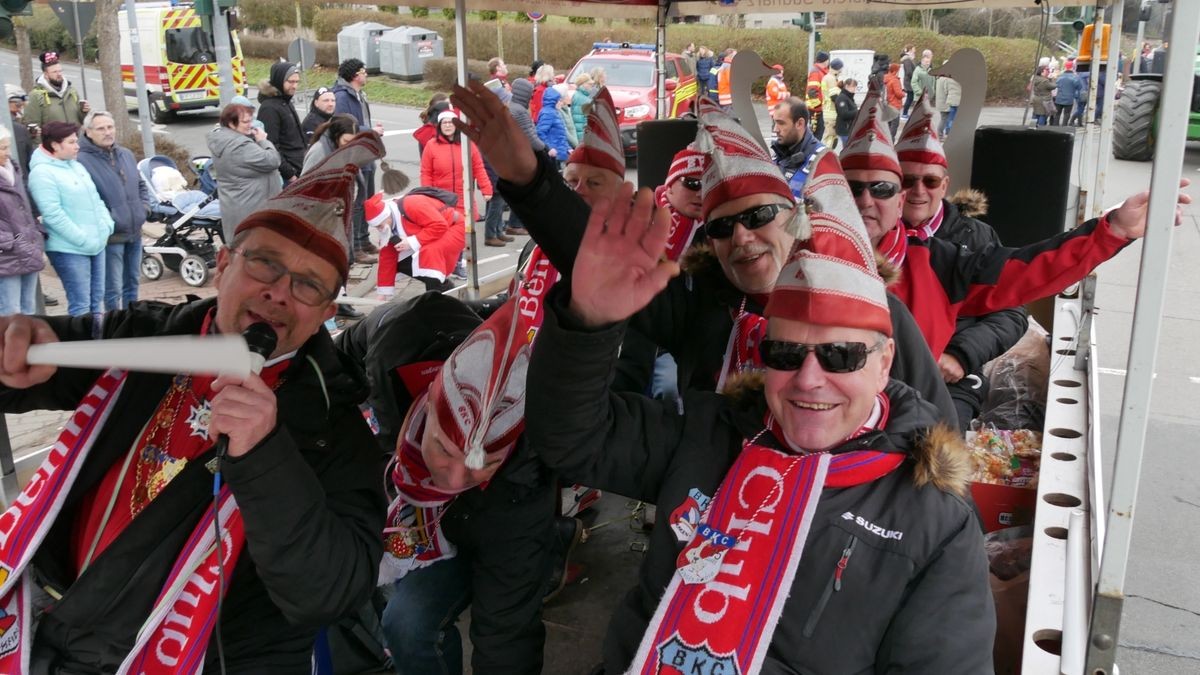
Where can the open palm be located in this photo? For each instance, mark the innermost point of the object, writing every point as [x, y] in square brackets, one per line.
[620, 265]
[494, 131]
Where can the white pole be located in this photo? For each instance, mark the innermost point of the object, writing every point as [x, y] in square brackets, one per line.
[1076, 594]
[224, 53]
[1147, 325]
[1089, 111]
[812, 47]
[1137, 48]
[1104, 152]
[460, 47]
[660, 59]
[535, 37]
[79, 49]
[139, 79]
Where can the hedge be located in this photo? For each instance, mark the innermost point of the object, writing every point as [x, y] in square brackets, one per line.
[441, 74]
[562, 44]
[258, 47]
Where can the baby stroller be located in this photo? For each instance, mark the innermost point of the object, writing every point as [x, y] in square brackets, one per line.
[192, 218]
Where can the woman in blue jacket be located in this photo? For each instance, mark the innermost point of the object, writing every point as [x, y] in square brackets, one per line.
[76, 220]
[550, 127]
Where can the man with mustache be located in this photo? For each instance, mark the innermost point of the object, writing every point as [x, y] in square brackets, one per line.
[725, 287]
[118, 544]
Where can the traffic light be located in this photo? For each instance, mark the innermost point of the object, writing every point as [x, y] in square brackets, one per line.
[803, 22]
[9, 9]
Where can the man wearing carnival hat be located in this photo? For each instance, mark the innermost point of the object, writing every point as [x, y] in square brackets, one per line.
[112, 543]
[710, 318]
[817, 525]
[977, 339]
[596, 168]
[939, 280]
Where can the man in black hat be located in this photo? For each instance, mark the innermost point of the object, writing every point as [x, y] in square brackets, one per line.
[280, 120]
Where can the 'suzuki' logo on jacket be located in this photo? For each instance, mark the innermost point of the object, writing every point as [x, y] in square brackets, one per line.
[872, 527]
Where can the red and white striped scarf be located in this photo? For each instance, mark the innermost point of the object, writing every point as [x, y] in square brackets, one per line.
[175, 636]
[929, 227]
[720, 610]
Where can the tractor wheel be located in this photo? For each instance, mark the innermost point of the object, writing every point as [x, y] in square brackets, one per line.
[1133, 124]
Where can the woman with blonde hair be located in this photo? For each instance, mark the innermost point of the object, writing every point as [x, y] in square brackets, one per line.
[542, 79]
[581, 103]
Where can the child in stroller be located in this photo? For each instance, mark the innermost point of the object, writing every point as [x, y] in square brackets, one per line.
[192, 218]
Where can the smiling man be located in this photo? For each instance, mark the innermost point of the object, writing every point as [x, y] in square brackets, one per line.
[829, 499]
[133, 475]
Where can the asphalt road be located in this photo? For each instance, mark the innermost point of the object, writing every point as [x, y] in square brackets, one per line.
[1161, 626]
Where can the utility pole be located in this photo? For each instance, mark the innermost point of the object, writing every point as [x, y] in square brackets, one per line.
[224, 54]
[812, 43]
[139, 78]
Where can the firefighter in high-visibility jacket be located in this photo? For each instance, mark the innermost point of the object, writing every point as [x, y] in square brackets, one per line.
[831, 84]
[724, 91]
[777, 89]
[812, 93]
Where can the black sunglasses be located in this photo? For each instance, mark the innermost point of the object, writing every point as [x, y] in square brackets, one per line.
[931, 182]
[691, 183]
[751, 219]
[834, 357]
[880, 189]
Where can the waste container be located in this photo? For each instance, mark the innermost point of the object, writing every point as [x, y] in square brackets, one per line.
[361, 41]
[403, 52]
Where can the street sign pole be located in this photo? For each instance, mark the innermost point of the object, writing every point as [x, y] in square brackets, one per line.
[812, 44]
[535, 41]
[139, 78]
[79, 49]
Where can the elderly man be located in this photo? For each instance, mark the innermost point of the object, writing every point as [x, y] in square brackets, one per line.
[829, 498]
[596, 168]
[795, 143]
[16, 112]
[729, 281]
[115, 173]
[118, 523]
[941, 280]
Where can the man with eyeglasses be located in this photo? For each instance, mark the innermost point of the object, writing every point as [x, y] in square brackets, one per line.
[280, 120]
[596, 168]
[119, 522]
[795, 144]
[751, 223]
[927, 211]
[940, 281]
[825, 497]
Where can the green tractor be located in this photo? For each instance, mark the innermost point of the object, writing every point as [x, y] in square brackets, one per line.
[1135, 123]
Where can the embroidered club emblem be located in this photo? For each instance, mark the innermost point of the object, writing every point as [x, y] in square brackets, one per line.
[198, 419]
[678, 657]
[10, 630]
[686, 516]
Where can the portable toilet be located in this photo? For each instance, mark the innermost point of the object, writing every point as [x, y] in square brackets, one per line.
[361, 41]
[403, 52]
[856, 64]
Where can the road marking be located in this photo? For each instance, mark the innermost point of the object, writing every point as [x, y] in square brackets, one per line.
[1194, 380]
[399, 132]
[1121, 373]
[495, 257]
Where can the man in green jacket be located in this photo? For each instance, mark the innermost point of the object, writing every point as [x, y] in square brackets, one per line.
[922, 79]
[53, 98]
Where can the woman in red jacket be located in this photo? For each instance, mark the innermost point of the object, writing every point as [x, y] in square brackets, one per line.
[441, 163]
[895, 94]
[421, 237]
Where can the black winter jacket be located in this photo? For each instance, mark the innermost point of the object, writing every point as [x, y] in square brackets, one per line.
[309, 494]
[505, 531]
[281, 122]
[899, 599]
[693, 317]
[793, 160]
[978, 340]
[847, 110]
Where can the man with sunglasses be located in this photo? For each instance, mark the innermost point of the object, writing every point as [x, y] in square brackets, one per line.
[795, 144]
[926, 210]
[726, 284]
[939, 280]
[829, 498]
[138, 475]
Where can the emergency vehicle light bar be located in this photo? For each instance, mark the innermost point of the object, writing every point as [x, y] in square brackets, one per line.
[623, 45]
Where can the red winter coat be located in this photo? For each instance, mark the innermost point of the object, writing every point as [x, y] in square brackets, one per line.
[441, 167]
[432, 230]
[423, 135]
[940, 280]
[535, 101]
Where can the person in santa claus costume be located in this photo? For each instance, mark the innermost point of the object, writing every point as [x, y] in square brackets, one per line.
[420, 235]
[823, 496]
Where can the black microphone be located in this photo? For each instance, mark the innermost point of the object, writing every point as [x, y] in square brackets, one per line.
[261, 340]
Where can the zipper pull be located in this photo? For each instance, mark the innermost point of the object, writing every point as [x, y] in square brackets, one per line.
[841, 565]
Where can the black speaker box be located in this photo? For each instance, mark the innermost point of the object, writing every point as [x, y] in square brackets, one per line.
[1026, 175]
[658, 141]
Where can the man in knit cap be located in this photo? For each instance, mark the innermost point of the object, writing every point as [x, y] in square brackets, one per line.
[751, 223]
[680, 195]
[827, 475]
[596, 168]
[118, 525]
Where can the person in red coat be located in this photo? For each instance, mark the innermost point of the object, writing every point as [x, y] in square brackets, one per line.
[421, 237]
[429, 124]
[441, 163]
